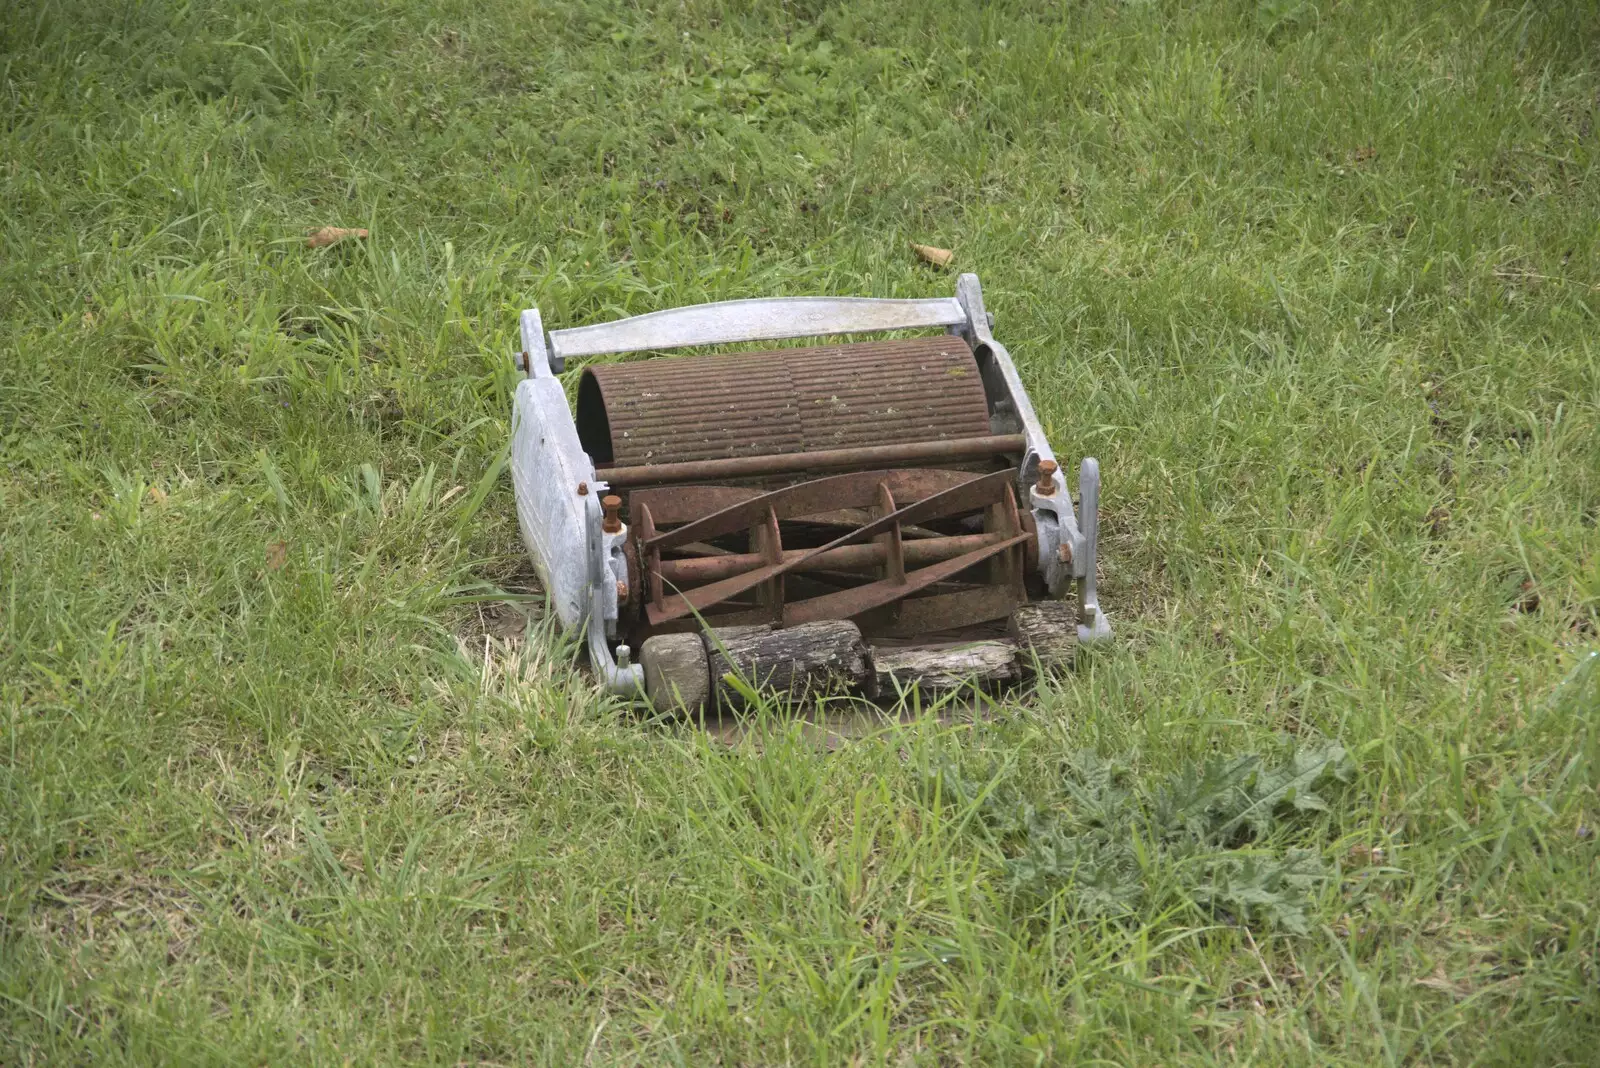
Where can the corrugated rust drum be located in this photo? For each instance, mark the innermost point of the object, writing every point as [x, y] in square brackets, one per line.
[781, 401]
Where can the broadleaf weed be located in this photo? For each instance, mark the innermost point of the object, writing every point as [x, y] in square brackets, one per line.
[1218, 824]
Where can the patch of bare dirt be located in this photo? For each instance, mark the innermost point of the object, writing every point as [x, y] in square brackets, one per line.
[90, 906]
[508, 620]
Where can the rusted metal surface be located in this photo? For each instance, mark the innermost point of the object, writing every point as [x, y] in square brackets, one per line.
[932, 613]
[669, 437]
[674, 505]
[894, 556]
[768, 538]
[649, 560]
[952, 450]
[699, 570]
[1047, 477]
[973, 494]
[1004, 516]
[761, 404]
[857, 490]
[847, 604]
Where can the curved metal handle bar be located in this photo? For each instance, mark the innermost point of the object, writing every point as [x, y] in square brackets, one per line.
[768, 319]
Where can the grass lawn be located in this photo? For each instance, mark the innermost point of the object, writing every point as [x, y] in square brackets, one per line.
[1316, 280]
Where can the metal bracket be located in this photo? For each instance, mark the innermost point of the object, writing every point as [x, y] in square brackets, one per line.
[1011, 410]
[538, 361]
[1068, 543]
[619, 675]
[1058, 529]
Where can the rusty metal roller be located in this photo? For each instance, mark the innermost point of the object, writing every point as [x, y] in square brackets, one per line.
[781, 401]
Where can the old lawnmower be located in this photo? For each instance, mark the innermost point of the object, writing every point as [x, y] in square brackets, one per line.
[863, 514]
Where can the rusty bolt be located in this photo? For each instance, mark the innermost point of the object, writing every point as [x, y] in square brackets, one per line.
[527, 363]
[1064, 553]
[1047, 477]
[612, 524]
[622, 592]
[583, 489]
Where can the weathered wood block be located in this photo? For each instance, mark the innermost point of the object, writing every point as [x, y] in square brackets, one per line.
[799, 662]
[677, 673]
[987, 665]
[1047, 630]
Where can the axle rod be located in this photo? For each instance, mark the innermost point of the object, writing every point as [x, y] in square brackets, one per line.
[954, 449]
[698, 570]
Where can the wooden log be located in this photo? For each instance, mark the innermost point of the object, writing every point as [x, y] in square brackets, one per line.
[797, 663]
[717, 636]
[1047, 630]
[986, 665]
[677, 674]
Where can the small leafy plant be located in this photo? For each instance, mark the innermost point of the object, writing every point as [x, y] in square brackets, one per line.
[1106, 841]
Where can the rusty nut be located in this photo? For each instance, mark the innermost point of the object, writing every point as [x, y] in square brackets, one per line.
[1047, 478]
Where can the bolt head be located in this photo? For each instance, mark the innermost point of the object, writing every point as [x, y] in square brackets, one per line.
[1047, 477]
[583, 489]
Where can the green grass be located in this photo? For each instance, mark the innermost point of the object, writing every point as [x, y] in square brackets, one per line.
[1317, 281]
